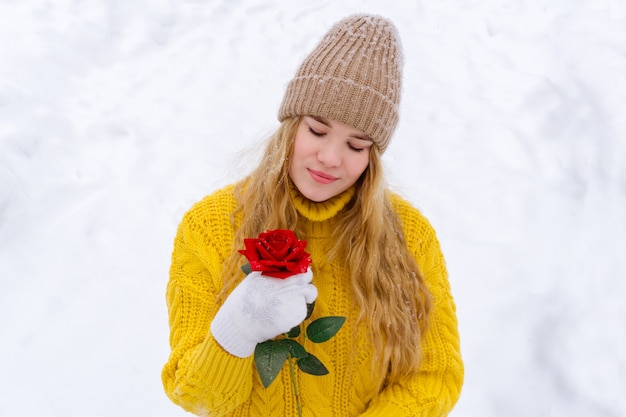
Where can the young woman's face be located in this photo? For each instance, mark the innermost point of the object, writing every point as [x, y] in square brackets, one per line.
[328, 157]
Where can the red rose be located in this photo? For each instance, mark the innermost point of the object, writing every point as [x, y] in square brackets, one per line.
[277, 253]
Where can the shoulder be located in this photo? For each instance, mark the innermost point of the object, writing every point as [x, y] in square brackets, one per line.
[417, 228]
[209, 220]
[221, 203]
[222, 198]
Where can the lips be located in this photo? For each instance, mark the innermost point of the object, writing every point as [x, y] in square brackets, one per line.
[321, 177]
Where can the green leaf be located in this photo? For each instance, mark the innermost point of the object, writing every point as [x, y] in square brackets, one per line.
[309, 309]
[311, 365]
[246, 268]
[324, 328]
[295, 348]
[295, 332]
[269, 358]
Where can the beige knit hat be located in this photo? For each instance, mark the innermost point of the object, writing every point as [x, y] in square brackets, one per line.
[352, 76]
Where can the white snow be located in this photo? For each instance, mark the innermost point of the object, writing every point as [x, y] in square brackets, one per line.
[116, 116]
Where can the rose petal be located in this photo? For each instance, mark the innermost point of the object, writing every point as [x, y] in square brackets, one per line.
[278, 243]
[280, 249]
[250, 252]
[295, 253]
[273, 264]
[280, 274]
[259, 266]
[263, 252]
[282, 234]
[298, 267]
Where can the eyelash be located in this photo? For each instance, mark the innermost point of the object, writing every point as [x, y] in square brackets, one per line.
[319, 135]
[355, 149]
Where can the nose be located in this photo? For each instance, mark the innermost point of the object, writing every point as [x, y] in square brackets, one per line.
[329, 155]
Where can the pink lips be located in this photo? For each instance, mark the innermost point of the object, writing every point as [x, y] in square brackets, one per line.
[321, 177]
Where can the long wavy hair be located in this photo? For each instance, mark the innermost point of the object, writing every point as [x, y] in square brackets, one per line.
[386, 281]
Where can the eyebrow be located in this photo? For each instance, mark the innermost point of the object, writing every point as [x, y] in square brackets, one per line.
[328, 123]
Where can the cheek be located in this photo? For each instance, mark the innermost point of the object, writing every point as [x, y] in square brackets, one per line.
[359, 164]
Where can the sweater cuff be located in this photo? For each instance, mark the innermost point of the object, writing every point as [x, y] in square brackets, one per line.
[215, 364]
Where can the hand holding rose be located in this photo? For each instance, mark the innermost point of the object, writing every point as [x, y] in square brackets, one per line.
[261, 308]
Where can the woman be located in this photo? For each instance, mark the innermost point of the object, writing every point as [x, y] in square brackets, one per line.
[376, 259]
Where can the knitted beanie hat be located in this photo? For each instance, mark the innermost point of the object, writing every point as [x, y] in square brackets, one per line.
[353, 76]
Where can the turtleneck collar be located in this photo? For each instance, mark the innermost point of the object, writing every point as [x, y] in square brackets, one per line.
[322, 211]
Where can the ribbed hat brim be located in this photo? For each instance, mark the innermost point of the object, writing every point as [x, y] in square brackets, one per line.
[337, 99]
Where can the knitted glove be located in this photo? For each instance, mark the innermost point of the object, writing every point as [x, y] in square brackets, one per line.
[260, 308]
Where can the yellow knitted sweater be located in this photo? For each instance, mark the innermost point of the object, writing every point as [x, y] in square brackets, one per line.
[206, 380]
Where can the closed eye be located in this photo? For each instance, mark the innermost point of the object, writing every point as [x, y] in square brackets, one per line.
[355, 148]
[316, 133]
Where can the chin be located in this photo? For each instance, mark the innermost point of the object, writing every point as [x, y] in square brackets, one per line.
[315, 195]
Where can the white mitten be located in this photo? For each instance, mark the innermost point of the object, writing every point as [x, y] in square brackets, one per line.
[259, 309]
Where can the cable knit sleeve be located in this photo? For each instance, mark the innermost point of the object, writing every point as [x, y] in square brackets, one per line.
[199, 375]
[435, 389]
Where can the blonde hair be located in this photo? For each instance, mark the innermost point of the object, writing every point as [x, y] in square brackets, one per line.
[386, 280]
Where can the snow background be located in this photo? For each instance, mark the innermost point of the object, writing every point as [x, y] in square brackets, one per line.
[116, 116]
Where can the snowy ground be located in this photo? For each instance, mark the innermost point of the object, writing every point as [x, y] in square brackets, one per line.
[116, 116]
